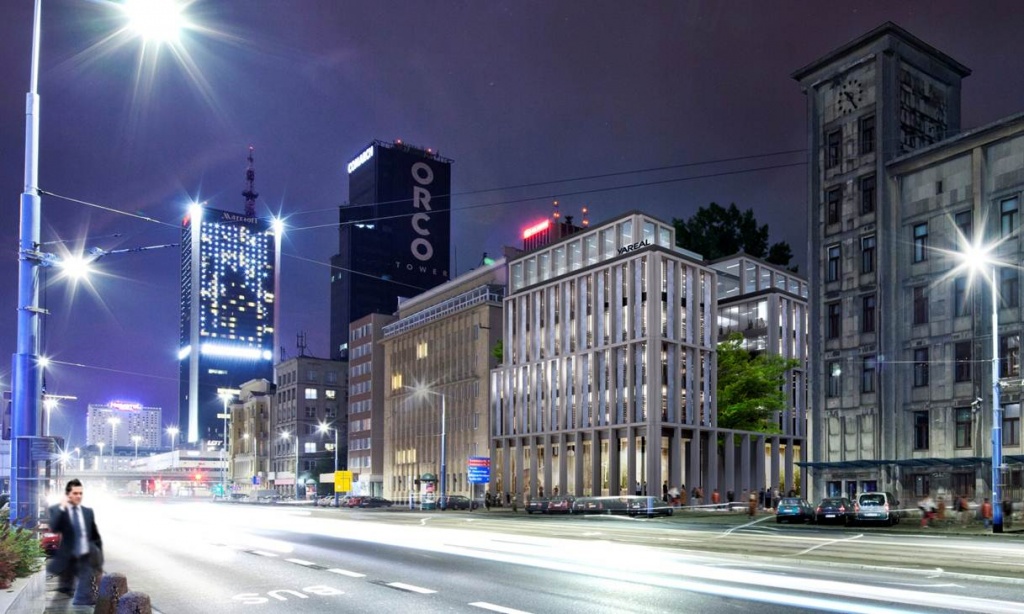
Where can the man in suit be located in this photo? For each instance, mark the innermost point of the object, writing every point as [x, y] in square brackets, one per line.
[81, 550]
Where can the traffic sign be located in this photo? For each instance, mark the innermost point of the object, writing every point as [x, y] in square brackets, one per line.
[479, 469]
[342, 481]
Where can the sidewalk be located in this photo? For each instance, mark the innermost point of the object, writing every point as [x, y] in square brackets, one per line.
[54, 602]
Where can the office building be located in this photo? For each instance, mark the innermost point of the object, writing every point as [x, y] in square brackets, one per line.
[395, 234]
[439, 353]
[366, 404]
[117, 424]
[310, 394]
[229, 265]
[879, 330]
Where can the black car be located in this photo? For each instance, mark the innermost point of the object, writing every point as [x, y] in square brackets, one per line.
[835, 510]
[537, 505]
[458, 502]
[375, 502]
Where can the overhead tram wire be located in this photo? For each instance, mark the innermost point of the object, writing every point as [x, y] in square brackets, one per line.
[534, 184]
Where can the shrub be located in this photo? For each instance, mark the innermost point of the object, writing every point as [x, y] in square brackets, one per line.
[20, 552]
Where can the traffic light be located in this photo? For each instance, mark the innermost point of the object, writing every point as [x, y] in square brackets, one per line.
[198, 477]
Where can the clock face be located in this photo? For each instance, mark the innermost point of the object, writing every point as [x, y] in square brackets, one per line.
[849, 96]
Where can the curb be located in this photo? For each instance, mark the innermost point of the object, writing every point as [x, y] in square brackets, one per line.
[25, 594]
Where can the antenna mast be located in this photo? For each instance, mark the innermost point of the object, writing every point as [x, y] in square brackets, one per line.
[250, 193]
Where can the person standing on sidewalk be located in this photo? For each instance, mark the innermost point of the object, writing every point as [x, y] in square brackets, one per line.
[986, 513]
[80, 554]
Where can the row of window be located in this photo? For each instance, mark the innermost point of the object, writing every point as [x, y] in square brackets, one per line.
[834, 199]
[964, 427]
[963, 361]
[865, 141]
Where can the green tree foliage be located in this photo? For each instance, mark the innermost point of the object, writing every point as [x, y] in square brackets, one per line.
[20, 553]
[498, 351]
[750, 386]
[717, 232]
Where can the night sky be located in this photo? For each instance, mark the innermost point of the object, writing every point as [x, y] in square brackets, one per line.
[613, 105]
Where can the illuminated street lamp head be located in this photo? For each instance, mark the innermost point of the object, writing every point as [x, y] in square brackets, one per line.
[50, 403]
[44, 362]
[277, 226]
[285, 435]
[155, 20]
[115, 421]
[76, 266]
[323, 427]
[977, 257]
[173, 431]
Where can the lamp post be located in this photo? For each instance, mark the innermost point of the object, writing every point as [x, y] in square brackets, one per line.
[225, 396]
[99, 461]
[113, 439]
[136, 439]
[323, 428]
[980, 260]
[173, 432]
[26, 374]
[443, 482]
[286, 435]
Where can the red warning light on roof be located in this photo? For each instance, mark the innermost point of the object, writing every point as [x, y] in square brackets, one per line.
[536, 228]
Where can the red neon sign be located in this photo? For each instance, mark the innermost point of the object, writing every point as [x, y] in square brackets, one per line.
[536, 228]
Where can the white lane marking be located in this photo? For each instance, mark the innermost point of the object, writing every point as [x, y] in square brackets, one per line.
[301, 562]
[828, 543]
[345, 572]
[411, 588]
[496, 608]
[263, 553]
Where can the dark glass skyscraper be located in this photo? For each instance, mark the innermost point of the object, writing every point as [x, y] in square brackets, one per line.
[395, 234]
[228, 296]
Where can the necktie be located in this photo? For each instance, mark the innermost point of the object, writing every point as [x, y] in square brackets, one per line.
[77, 522]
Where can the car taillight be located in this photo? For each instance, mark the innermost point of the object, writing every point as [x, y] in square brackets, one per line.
[818, 509]
[886, 508]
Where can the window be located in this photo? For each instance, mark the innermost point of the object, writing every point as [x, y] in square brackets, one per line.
[963, 356]
[833, 204]
[867, 314]
[1009, 355]
[396, 381]
[422, 350]
[867, 254]
[331, 377]
[867, 195]
[833, 268]
[920, 242]
[835, 321]
[965, 222]
[1011, 424]
[330, 394]
[1009, 287]
[963, 427]
[311, 375]
[921, 430]
[961, 302]
[920, 305]
[920, 367]
[867, 134]
[311, 394]
[867, 374]
[833, 149]
[835, 372]
[1008, 216]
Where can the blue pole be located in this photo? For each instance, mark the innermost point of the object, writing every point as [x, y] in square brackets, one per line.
[997, 417]
[26, 379]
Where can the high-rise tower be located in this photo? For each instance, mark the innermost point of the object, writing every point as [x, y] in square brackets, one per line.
[228, 297]
[395, 233]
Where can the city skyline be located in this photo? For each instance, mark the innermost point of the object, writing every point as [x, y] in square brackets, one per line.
[519, 95]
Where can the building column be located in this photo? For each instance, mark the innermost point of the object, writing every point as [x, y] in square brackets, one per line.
[789, 468]
[632, 449]
[759, 468]
[693, 476]
[675, 458]
[729, 452]
[595, 462]
[746, 470]
[711, 460]
[775, 463]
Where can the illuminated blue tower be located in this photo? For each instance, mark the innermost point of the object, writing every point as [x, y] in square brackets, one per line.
[229, 264]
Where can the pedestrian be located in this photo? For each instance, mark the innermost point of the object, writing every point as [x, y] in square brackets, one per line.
[941, 510]
[664, 491]
[965, 510]
[927, 507]
[986, 513]
[730, 496]
[752, 505]
[487, 501]
[515, 503]
[80, 554]
[715, 497]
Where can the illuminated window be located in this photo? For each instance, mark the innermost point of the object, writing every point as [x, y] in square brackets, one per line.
[330, 394]
[422, 350]
[311, 394]
[396, 381]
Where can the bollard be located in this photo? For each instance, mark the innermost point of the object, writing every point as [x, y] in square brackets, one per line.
[134, 602]
[112, 587]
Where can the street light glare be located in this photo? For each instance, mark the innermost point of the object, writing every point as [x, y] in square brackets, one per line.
[977, 257]
[76, 267]
[155, 20]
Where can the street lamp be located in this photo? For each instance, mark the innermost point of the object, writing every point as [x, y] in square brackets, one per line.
[99, 461]
[324, 428]
[225, 396]
[26, 374]
[173, 432]
[979, 260]
[443, 484]
[113, 435]
[285, 435]
[136, 439]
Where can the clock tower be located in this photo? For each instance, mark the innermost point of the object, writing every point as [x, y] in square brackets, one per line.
[871, 100]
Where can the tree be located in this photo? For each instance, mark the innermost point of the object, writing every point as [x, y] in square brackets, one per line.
[750, 386]
[717, 232]
[498, 352]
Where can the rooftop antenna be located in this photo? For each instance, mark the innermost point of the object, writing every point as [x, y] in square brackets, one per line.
[250, 193]
[300, 342]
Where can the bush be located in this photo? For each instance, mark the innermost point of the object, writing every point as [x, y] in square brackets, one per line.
[20, 552]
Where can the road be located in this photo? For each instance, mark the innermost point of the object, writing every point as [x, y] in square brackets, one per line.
[205, 557]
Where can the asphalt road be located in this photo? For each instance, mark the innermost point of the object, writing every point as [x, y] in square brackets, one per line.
[205, 557]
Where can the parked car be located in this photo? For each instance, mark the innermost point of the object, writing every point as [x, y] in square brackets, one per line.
[647, 506]
[878, 507]
[835, 510]
[537, 505]
[48, 540]
[560, 504]
[794, 508]
[352, 502]
[588, 505]
[458, 502]
[375, 502]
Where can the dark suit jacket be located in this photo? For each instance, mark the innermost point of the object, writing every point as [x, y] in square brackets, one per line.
[60, 522]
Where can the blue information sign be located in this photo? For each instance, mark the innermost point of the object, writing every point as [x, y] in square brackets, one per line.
[479, 469]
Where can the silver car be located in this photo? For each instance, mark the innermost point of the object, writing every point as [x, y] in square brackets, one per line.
[878, 507]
